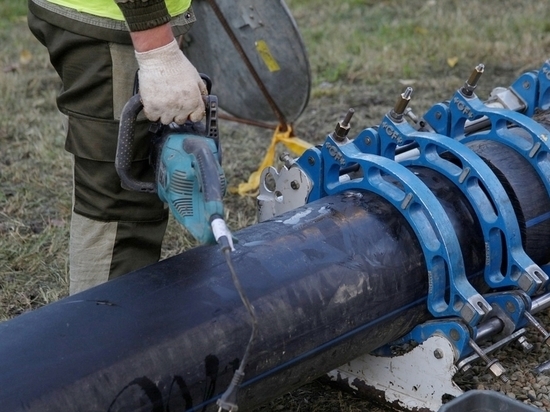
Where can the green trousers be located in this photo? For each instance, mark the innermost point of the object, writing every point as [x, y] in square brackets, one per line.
[113, 231]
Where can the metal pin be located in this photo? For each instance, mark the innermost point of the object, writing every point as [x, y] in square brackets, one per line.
[538, 326]
[471, 84]
[401, 104]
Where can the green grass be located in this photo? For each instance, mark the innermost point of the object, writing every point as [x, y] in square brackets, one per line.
[12, 10]
[369, 42]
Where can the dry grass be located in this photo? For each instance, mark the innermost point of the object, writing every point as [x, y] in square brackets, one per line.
[362, 52]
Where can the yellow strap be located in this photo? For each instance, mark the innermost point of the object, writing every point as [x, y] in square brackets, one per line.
[295, 144]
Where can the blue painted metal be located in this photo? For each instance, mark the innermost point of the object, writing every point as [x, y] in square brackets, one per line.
[371, 158]
[456, 332]
[544, 86]
[533, 88]
[450, 121]
[486, 195]
[412, 198]
[527, 88]
[512, 305]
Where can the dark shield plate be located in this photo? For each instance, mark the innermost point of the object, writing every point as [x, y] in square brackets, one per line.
[270, 39]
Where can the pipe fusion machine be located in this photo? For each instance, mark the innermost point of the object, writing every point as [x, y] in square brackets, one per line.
[471, 179]
[388, 261]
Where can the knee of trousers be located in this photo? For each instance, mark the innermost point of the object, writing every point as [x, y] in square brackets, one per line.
[100, 251]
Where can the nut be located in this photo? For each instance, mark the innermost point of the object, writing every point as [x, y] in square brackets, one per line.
[498, 370]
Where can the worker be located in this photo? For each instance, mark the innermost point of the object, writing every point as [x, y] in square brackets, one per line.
[96, 47]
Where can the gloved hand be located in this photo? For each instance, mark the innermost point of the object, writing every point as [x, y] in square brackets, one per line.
[171, 89]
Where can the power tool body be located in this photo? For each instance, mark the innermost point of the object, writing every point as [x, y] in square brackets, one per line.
[188, 173]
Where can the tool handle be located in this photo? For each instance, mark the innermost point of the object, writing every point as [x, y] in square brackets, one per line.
[125, 147]
[207, 168]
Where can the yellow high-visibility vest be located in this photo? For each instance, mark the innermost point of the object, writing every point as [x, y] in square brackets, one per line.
[109, 9]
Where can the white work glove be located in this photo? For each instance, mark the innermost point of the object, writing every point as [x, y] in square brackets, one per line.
[171, 89]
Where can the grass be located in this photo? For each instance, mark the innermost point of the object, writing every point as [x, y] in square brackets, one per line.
[369, 42]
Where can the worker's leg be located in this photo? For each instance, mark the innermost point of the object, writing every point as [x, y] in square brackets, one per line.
[113, 231]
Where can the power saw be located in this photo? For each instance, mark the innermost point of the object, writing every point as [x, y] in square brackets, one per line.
[188, 173]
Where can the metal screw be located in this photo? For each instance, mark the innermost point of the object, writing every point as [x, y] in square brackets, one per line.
[311, 160]
[288, 161]
[404, 98]
[438, 115]
[438, 353]
[471, 84]
[454, 334]
[539, 327]
[526, 85]
[294, 185]
[493, 365]
[510, 307]
[368, 141]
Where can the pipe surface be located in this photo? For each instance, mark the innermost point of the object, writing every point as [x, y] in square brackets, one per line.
[330, 281]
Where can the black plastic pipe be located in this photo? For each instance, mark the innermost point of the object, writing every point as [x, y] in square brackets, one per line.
[329, 282]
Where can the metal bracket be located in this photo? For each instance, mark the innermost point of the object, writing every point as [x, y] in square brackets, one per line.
[544, 86]
[534, 88]
[453, 329]
[396, 379]
[291, 190]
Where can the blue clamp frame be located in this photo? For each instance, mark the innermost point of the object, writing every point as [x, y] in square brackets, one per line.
[449, 119]
[414, 200]
[534, 89]
[486, 195]
[510, 307]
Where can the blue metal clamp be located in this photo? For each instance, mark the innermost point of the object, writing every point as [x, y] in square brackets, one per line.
[414, 200]
[450, 119]
[486, 195]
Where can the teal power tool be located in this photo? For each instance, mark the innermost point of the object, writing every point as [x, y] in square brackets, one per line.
[188, 173]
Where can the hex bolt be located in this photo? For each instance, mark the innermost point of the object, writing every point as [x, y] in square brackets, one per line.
[493, 365]
[342, 128]
[288, 161]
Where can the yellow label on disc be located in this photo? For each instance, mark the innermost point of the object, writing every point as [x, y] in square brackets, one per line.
[267, 57]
